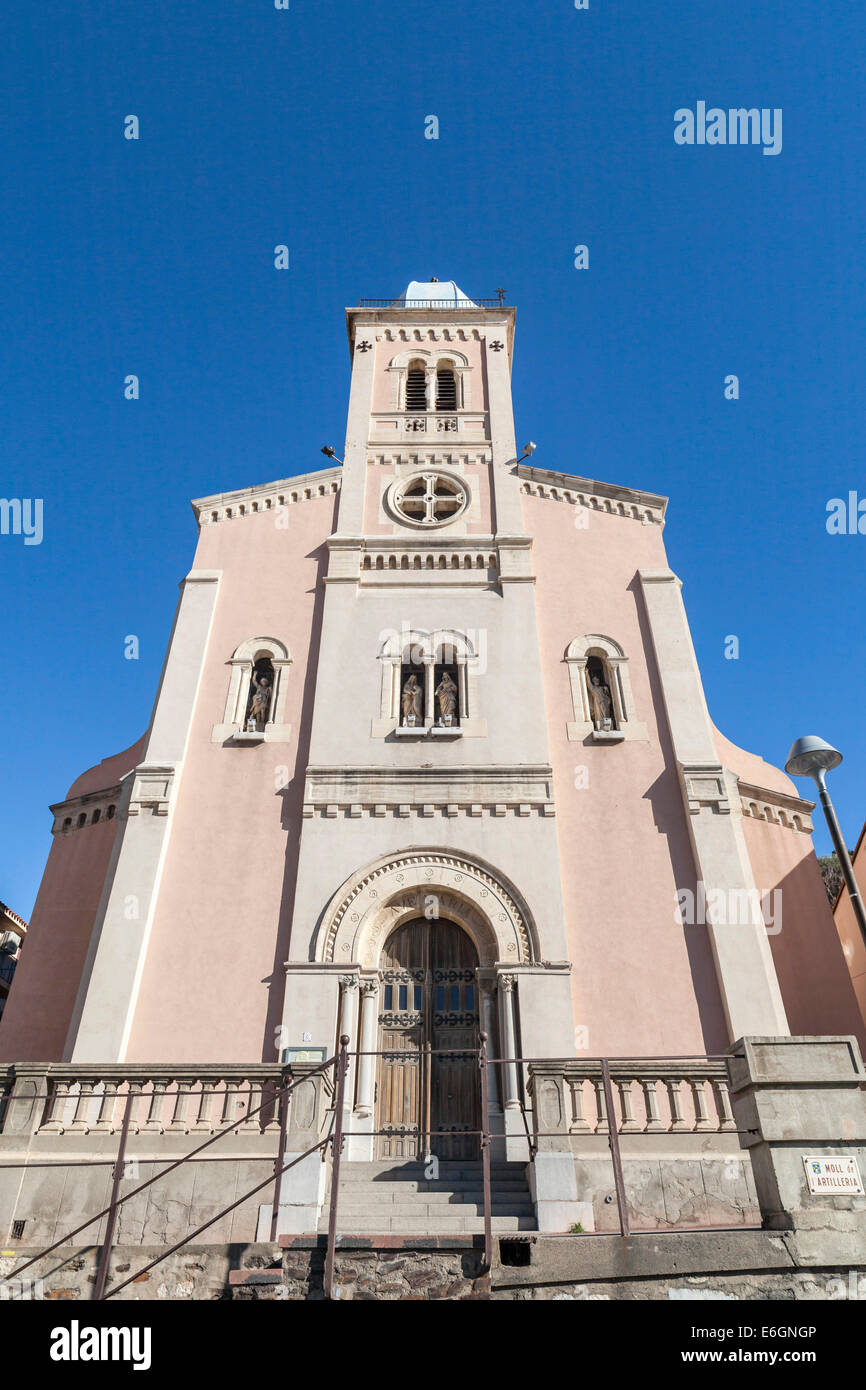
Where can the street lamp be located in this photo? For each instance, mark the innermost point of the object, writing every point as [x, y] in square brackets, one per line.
[528, 449]
[812, 757]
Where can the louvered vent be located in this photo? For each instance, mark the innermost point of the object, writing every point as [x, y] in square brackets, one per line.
[446, 391]
[416, 389]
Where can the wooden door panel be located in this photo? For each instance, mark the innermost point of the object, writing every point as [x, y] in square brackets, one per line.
[429, 1001]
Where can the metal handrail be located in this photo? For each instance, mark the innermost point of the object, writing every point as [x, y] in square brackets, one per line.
[117, 1202]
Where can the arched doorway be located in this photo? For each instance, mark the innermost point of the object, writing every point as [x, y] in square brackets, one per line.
[427, 1102]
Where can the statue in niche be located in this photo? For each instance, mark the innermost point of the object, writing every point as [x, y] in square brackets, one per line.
[411, 702]
[446, 694]
[260, 702]
[600, 703]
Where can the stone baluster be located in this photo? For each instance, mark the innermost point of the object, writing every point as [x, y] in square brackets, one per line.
[232, 1104]
[601, 1126]
[80, 1124]
[154, 1124]
[579, 1123]
[105, 1120]
[56, 1120]
[272, 1112]
[678, 1120]
[629, 1123]
[723, 1105]
[702, 1115]
[651, 1103]
[135, 1088]
[254, 1099]
[179, 1123]
[204, 1117]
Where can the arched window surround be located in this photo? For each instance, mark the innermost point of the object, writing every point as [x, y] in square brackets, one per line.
[615, 664]
[433, 361]
[242, 663]
[427, 651]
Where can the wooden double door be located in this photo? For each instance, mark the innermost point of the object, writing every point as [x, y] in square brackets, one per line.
[427, 1090]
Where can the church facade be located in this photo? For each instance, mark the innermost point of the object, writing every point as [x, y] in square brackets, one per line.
[430, 756]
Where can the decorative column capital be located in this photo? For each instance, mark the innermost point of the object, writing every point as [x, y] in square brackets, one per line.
[507, 982]
[348, 983]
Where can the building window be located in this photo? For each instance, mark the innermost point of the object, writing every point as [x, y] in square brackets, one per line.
[428, 499]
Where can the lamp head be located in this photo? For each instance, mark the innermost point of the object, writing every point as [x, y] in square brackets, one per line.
[329, 450]
[812, 757]
[529, 448]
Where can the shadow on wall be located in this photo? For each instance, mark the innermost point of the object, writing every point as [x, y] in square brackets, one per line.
[291, 804]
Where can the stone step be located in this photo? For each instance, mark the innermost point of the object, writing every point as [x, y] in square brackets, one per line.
[440, 1189]
[425, 1213]
[414, 1166]
[438, 1200]
[406, 1225]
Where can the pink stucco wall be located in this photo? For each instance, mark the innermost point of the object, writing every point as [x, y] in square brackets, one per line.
[213, 980]
[810, 963]
[642, 983]
[37, 1015]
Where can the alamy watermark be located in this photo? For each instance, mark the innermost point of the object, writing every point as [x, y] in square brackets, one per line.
[737, 126]
[22, 516]
[728, 907]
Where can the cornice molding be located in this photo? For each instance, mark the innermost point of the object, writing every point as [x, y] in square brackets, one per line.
[266, 497]
[646, 507]
[777, 808]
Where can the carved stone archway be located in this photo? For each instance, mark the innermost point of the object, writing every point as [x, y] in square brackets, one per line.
[396, 888]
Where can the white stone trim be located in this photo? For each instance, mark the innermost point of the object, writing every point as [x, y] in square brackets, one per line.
[372, 903]
[242, 663]
[646, 507]
[612, 654]
[266, 497]
[377, 791]
[776, 808]
[103, 801]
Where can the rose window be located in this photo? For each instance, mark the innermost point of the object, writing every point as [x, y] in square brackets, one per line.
[429, 499]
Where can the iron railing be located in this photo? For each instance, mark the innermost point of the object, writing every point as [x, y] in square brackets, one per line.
[498, 303]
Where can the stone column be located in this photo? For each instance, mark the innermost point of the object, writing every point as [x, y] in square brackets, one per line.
[508, 1034]
[796, 1099]
[367, 1063]
[349, 1025]
[429, 686]
[360, 1147]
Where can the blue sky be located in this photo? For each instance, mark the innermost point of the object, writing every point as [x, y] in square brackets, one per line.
[306, 127]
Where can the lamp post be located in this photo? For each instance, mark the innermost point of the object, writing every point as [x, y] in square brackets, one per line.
[812, 757]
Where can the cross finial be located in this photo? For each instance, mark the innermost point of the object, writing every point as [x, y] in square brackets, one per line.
[500, 291]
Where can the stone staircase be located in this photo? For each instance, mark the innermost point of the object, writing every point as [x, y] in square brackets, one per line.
[395, 1196]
